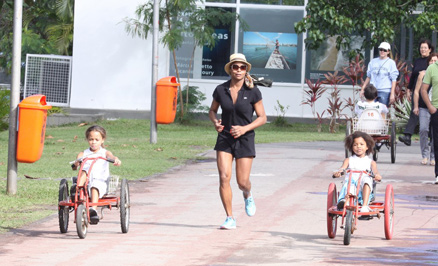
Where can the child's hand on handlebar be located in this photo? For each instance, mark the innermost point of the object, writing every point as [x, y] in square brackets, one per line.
[377, 177]
[338, 173]
[117, 162]
[75, 164]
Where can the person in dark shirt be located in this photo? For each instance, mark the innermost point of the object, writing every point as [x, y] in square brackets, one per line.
[426, 48]
[239, 99]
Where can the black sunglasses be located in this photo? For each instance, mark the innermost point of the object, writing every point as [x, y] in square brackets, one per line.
[236, 67]
[384, 50]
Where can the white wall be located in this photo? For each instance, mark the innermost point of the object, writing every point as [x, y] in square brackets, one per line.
[287, 94]
[112, 70]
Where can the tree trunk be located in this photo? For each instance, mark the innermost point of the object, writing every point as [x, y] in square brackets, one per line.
[181, 102]
[188, 77]
[174, 62]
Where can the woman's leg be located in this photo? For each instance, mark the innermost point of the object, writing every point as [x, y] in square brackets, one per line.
[432, 147]
[424, 117]
[243, 171]
[412, 122]
[224, 166]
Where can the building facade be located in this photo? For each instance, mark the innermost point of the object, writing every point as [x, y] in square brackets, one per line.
[113, 70]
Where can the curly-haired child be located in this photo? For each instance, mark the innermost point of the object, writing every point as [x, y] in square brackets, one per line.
[360, 145]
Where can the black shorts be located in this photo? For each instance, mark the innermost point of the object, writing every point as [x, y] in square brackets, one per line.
[240, 148]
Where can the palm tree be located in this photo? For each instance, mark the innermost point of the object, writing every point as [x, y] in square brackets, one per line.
[201, 23]
[61, 32]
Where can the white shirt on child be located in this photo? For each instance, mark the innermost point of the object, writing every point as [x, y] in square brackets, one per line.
[359, 164]
[100, 173]
[362, 105]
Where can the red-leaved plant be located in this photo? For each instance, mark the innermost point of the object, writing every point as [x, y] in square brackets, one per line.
[314, 92]
[335, 102]
[355, 72]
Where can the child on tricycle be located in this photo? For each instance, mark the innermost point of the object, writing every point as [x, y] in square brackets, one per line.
[360, 145]
[370, 94]
[99, 176]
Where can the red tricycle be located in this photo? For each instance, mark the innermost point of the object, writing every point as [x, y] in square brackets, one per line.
[350, 212]
[80, 202]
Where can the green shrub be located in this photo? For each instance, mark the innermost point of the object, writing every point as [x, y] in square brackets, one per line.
[402, 112]
[193, 105]
[280, 120]
[56, 110]
[5, 100]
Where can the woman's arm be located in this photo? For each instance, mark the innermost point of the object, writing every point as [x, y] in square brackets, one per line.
[393, 75]
[417, 92]
[367, 80]
[212, 114]
[237, 131]
[392, 95]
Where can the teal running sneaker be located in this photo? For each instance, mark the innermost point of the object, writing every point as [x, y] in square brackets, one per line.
[250, 207]
[229, 223]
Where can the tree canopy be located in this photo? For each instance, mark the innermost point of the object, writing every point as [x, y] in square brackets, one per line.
[47, 29]
[376, 20]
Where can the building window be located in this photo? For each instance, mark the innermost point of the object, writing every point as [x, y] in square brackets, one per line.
[271, 44]
[205, 63]
[327, 58]
[275, 2]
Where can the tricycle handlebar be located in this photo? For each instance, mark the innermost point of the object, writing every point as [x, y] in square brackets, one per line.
[72, 163]
[345, 171]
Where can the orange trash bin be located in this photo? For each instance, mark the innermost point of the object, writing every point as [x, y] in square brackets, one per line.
[32, 117]
[167, 92]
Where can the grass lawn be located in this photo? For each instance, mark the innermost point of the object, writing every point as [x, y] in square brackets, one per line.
[37, 196]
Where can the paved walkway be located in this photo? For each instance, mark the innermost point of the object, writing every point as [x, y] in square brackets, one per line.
[175, 218]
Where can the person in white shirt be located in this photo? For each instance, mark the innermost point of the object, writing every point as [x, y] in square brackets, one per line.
[382, 73]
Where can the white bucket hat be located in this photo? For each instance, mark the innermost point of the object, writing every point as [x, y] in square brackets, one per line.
[385, 45]
[237, 58]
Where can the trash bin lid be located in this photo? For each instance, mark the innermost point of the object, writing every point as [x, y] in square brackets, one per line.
[168, 81]
[37, 101]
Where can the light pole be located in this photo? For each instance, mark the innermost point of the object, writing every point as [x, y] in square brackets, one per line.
[15, 98]
[153, 134]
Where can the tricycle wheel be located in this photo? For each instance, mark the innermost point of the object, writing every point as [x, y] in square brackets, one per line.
[389, 211]
[124, 206]
[63, 211]
[81, 221]
[332, 219]
[347, 133]
[348, 227]
[393, 148]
